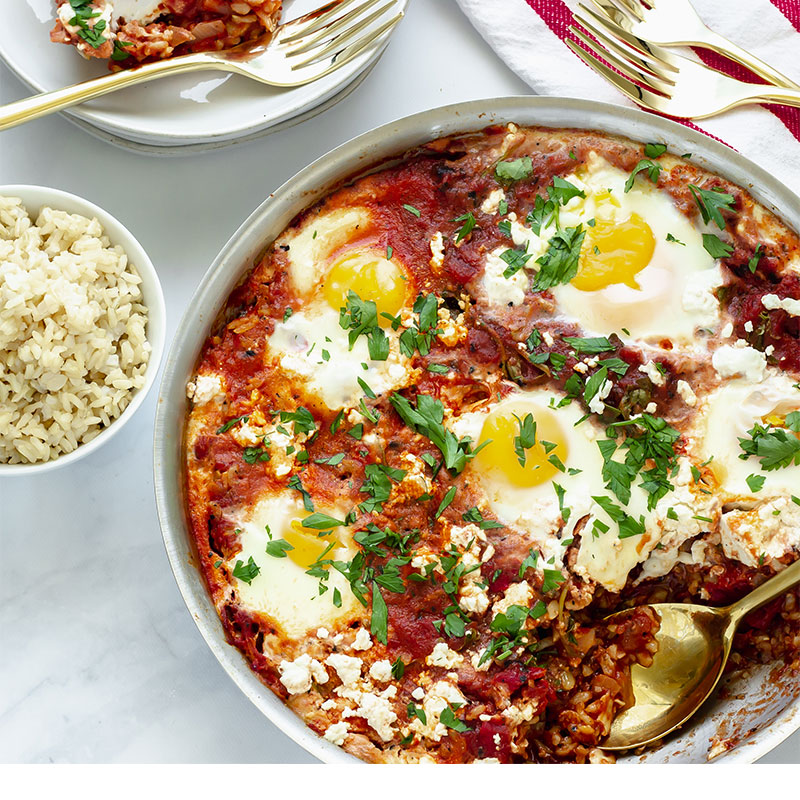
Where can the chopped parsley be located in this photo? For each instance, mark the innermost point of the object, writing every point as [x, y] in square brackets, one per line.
[412, 210]
[231, 422]
[559, 264]
[360, 317]
[427, 419]
[278, 548]
[589, 345]
[246, 572]
[467, 227]
[379, 624]
[475, 516]
[711, 203]
[752, 264]
[526, 438]
[775, 448]
[516, 170]
[645, 165]
[715, 247]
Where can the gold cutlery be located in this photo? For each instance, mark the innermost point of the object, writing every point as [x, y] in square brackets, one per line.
[297, 52]
[669, 83]
[675, 22]
[693, 646]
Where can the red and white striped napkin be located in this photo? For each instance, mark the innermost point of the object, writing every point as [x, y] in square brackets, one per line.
[529, 36]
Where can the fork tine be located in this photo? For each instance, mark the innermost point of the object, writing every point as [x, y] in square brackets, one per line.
[633, 6]
[313, 21]
[637, 57]
[657, 56]
[610, 9]
[626, 67]
[628, 88]
[343, 26]
[349, 50]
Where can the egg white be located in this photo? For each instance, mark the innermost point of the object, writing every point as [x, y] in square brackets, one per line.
[726, 416]
[282, 590]
[299, 342]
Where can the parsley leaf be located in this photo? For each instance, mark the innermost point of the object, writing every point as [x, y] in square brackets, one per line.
[774, 447]
[653, 171]
[591, 345]
[516, 260]
[379, 624]
[412, 210]
[710, 203]
[246, 572]
[526, 438]
[559, 264]
[474, 515]
[278, 548]
[715, 247]
[552, 580]
[427, 419]
[446, 500]
[756, 482]
[752, 264]
[467, 227]
[516, 170]
[450, 720]
[655, 149]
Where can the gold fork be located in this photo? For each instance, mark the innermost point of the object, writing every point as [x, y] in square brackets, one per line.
[667, 82]
[676, 22]
[297, 52]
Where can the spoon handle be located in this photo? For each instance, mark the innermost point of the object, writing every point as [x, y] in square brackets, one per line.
[768, 590]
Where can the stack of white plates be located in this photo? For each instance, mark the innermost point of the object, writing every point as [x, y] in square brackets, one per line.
[184, 113]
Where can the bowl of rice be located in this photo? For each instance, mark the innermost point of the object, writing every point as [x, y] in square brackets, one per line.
[82, 326]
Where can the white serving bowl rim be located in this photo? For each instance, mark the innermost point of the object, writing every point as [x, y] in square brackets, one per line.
[34, 198]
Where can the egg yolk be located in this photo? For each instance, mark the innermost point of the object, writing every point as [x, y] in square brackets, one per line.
[502, 429]
[614, 252]
[371, 277]
[308, 544]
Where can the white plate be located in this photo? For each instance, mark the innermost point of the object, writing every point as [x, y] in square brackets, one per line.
[194, 109]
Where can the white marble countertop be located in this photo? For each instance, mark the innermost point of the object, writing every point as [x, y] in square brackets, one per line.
[100, 660]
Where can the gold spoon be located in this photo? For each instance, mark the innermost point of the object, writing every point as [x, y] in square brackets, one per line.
[694, 643]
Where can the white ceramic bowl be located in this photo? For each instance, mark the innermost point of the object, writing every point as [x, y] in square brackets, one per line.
[34, 198]
[757, 711]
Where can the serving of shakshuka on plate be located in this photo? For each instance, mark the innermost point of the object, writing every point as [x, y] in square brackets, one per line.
[470, 404]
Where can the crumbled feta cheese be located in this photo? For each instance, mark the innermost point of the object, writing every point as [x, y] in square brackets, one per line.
[698, 295]
[363, 640]
[348, 668]
[748, 326]
[768, 531]
[498, 289]
[596, 404]
[381, 671]
[548, 338]
[733, 360]
[492, 202]
[297, 675]
[651, 408]
[451, 330]
[443, 656]
[328, 705]
[437, 251]
[788, 304]
[204, 387]
[418, 693]
[322, 633]
[337, 733]
[378, 712]
[686, 393]
[438, 697]
[727, 331]
[653, 372]
[518, 594]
